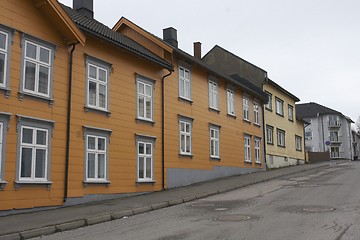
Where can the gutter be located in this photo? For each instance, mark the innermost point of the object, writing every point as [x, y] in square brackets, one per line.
[163, 128]
[67, 156]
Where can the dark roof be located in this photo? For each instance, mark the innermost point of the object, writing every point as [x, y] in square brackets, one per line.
[283, 90]
[246, 85]
[312, 109]
[98, 29]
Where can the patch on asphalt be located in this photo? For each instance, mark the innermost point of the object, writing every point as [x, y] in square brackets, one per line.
[307, 209]
[236, 218]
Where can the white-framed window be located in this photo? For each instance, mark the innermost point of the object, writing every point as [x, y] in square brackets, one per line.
[269, 134]
[291, 113]
[97, 84]
[298, 143]
[280, 138]
[279, 106]
[214, 141]
[256, 113]
[185, 135]
[257, 150]
[1, 147]
[230, 97]
[335, 152]
[213, 95]
[34, 147]
[269, 103]
[96, 154]
[184, 83]
[246, 106]
[37, 73]
[4, 52]
[145, 158]
[334, 136]
[334, 121]
[247, 148]
[145, 99]
[308, 135]
[4, 121]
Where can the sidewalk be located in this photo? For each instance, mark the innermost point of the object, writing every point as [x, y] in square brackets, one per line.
[34, 224]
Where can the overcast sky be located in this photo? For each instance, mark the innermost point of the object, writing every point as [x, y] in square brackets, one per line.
[310, 47]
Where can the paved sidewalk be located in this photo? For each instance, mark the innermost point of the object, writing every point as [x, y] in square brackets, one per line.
[34, 224]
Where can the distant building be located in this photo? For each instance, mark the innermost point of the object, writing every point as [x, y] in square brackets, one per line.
[329, 130]
[356, 144]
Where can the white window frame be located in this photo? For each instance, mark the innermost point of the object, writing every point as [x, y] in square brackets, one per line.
[143, 98]
[256, 114]
[4, 121]
[97, 134]
[290, 113]
[269, 103]
[281, 138]
[298, 143]
[247, 148]
[308, 135]
[145, 155]
[257, 144]
[214, 142]
[34, 147]
[213, 94]
[335, 154]
[246, 109]
[39, 45]
[279, 106]
[5, 52]
[1, 147]
[269, 134]
[230, 97]
[185, 83]
[186, 134]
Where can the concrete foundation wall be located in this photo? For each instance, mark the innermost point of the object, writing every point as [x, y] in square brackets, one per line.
[280, 161]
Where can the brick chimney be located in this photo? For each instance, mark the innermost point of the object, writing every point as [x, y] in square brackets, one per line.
[85, 7]
[197, 50]
[170, 36]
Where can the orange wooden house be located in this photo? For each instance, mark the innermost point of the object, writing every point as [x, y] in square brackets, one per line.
[90, 113]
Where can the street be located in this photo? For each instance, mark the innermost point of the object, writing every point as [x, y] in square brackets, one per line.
[318, 204]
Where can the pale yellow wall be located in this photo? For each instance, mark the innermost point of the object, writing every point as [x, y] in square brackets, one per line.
[291, 128]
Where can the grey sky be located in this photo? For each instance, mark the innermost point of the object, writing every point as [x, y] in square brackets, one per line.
[309, 47]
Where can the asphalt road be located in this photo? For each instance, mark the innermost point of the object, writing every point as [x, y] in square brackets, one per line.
[321, 204]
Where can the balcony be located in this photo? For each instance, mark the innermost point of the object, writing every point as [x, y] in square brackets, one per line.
[336, 155]
[335, 140]
[334, 124]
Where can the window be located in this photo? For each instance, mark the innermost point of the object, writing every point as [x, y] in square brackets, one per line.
[279, 106]
[4, 119]
[145, 99]
[5, 44]
[308, 135]
[1, 147]
[213, 95]
[257, 150]
[280, 138]
[96, 154]
[269, 103]
[37, 74]
[184, 83]
[185, 130]
[298, 143]
[256, 113]
[230, 96]
[247, 148]
[214, 142]
[246, 109]
[334, 136]
[334, 121]
[335, 152]
[291, 112]
[34, 146]
[270, 134]
[97, 84]
[145, 158]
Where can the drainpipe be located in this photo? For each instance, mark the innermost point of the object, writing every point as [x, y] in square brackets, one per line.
[68, 123]
[163, 127]
[264, 135]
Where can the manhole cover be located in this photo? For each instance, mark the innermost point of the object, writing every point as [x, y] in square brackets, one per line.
[234, 218]
[318, 209]
[203, 205]
[220, 209]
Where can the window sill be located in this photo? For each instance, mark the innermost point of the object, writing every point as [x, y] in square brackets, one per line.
[215, 158]
[281, 115]
[248, 162]
[269, 109]
[181, 99]
[33, 182]
[2, 184]
[270, 143]
[6, 91]
[145, 182]
[146, 121]
[214, 110]
[231, 115]
[257, 125]
[101, 111]
[291, 120]
[181, 155]
[96, 182]
[246, 121]
[35, 96]
[258, 163]
[281, 146]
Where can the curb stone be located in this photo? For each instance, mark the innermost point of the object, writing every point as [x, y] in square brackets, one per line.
[37, 232]
[14, 236]
[99, 219]
[122, 214]
[70, 225]
[142, 210]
